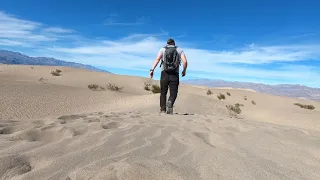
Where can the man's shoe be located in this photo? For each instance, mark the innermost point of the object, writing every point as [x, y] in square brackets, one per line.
[169, 108]
[162, 112]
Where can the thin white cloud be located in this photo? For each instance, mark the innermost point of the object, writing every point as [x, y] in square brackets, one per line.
[57, 30]
[7, 42]
[16, 29]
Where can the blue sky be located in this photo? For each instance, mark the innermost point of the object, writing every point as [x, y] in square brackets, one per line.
[273, 42]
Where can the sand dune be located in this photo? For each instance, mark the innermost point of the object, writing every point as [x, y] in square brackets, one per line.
[60, 129]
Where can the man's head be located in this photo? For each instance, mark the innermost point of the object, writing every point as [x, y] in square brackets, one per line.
[170, 42]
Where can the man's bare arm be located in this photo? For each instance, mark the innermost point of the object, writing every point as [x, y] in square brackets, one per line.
[185, 62]
[156, 61]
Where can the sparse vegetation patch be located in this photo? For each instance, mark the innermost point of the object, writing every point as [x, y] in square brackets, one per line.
[114, 87]
[96, 87]
[237, 104]
[253, 102]
[209, 92]
[147, 86]
[245, 97]
[234, 108]
[155, 89]
[228, 94]
[41, 79]
[305, 106]
[57, 72]
[221, 96]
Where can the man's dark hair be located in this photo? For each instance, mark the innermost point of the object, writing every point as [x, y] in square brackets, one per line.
[170, 42]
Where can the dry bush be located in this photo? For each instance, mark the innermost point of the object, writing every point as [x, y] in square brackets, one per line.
[221, 96]
[209, 92]
[305, 106]
[114, 87]
[228, 94]
[235, 109]
[253, 102]
[41, 79]
[56, 72]
[245, 97]
[96, 87]
[237, 104]
[155, 89]
[147, 86]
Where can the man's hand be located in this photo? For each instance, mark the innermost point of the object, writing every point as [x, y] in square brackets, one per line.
[183, 73]
[155, 63]
[151, 74]
[185, 64]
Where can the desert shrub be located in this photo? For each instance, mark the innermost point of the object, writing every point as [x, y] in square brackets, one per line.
[253, 102]
[41, 79]
[221, 96]
[228, 94]
[114, 87]
[147, 86]
[155, 89]
[93, 86]
[245, 97]
[237, 104]
[96, 87]
[209, 92]
[305, 106]
[235, 109]
[56, 72]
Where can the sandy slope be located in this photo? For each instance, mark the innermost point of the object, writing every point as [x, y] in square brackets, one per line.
[62, 130]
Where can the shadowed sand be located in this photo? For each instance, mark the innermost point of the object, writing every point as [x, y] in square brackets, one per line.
[60, 129]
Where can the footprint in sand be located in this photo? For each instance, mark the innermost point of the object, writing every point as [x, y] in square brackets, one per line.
[135, 116]
[6, 129]
[205, 138]
[91, 119]
[80, 131]
[111, 125]
[71, 117]
[11, 166]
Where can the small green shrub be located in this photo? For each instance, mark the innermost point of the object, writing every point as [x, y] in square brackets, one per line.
[235, 109]
[305, 106]
[114, 87]
[55, 73]
[237, 104]
[41, 79]
[209, 92]
[147, 86]
[96, 87]
[221, 96]
[155, 89]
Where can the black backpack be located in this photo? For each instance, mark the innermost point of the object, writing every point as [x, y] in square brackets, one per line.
[171, 59]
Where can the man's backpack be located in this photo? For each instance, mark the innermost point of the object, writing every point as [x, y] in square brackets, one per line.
[171, 59]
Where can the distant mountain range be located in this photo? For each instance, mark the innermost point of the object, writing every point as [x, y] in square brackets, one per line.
[10, 57]
[297, 91]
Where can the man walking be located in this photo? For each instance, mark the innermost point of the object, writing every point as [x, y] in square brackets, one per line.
[170, 57]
